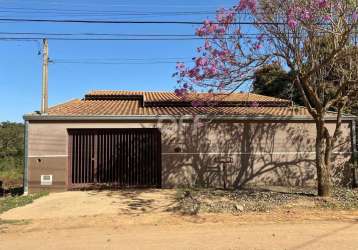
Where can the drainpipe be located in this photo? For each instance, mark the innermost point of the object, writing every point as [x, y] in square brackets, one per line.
[26, 164]
[355, 153]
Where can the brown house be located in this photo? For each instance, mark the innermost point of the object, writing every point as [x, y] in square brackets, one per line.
[156, 139]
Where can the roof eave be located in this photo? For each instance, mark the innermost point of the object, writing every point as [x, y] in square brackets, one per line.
[37, 117]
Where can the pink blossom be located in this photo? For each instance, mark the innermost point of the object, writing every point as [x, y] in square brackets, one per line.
[208, 28]
[215, 53]
[355, 16]
[225, 17]
[201, 32]
[321, 3]
[246, 5]
[258, 46]
[224, 54]
[207, 22]
[255, 104]
[200, 61]
[292, 23]
[327, 18]
[199, 77]
[306, 15]
[180, 92]
[212, 28]
[221, 85]
[211, 70]
[261, 37]
[196, 104]
[220, 30]
[193, 72]
[222, 57]
[207, 45]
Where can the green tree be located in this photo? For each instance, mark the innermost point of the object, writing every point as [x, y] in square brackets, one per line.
[11, 139]
[273, 80]
[11, 152]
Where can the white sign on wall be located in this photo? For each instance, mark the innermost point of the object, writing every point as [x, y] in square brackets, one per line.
[46, 180]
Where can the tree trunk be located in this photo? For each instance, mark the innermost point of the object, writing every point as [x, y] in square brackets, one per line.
[323, 160]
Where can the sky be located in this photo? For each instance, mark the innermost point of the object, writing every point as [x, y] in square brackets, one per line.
[21, 62]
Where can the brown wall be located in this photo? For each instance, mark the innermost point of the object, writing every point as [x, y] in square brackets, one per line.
[275, 153]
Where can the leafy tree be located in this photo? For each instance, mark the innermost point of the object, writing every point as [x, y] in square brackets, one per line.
[11, 139]
[273, 80]
[291, 34]
[11, 151]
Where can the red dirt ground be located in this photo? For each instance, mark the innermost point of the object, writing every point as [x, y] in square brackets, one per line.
[132, 220]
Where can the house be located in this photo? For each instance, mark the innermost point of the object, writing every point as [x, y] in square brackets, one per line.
[156, 139]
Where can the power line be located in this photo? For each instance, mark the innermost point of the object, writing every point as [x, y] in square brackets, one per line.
[116, 37]
[124, 59]
[19, 40]
[35, 36]
[115, 63]
[167, 60]
[122, 21]
[106, 12]
[103, 13]
[137, 6]
[117, 34]
[101, 39]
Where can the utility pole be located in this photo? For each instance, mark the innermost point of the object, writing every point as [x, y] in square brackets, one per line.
[44, 99]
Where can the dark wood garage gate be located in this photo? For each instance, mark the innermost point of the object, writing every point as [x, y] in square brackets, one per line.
[114, 158]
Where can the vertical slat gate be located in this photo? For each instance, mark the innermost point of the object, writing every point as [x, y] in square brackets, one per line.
[115, 157]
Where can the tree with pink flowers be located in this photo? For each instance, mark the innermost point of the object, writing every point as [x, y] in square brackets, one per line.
[312, 38]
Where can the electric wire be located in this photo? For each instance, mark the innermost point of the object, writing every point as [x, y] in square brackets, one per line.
[126, 21]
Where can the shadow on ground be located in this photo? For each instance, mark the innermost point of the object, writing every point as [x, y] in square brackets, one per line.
[250, 199]
[131, 201]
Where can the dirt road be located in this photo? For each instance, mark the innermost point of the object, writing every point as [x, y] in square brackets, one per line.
[140, 221]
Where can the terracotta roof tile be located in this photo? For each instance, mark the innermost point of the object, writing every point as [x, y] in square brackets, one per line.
[133, 107]
[171, 97]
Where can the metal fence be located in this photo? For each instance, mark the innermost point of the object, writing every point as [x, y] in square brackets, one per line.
[116, 157]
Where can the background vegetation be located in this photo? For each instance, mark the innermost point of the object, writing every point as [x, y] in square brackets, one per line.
[11, 153]
[273, 80]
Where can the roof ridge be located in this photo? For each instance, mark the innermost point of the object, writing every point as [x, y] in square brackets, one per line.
[141, 92]
[148, 98]
[64, 103]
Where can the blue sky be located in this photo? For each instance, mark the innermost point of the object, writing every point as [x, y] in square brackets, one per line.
[20, 63]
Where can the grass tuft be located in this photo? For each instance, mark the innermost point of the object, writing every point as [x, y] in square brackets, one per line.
[14, 222]
[11, 202]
